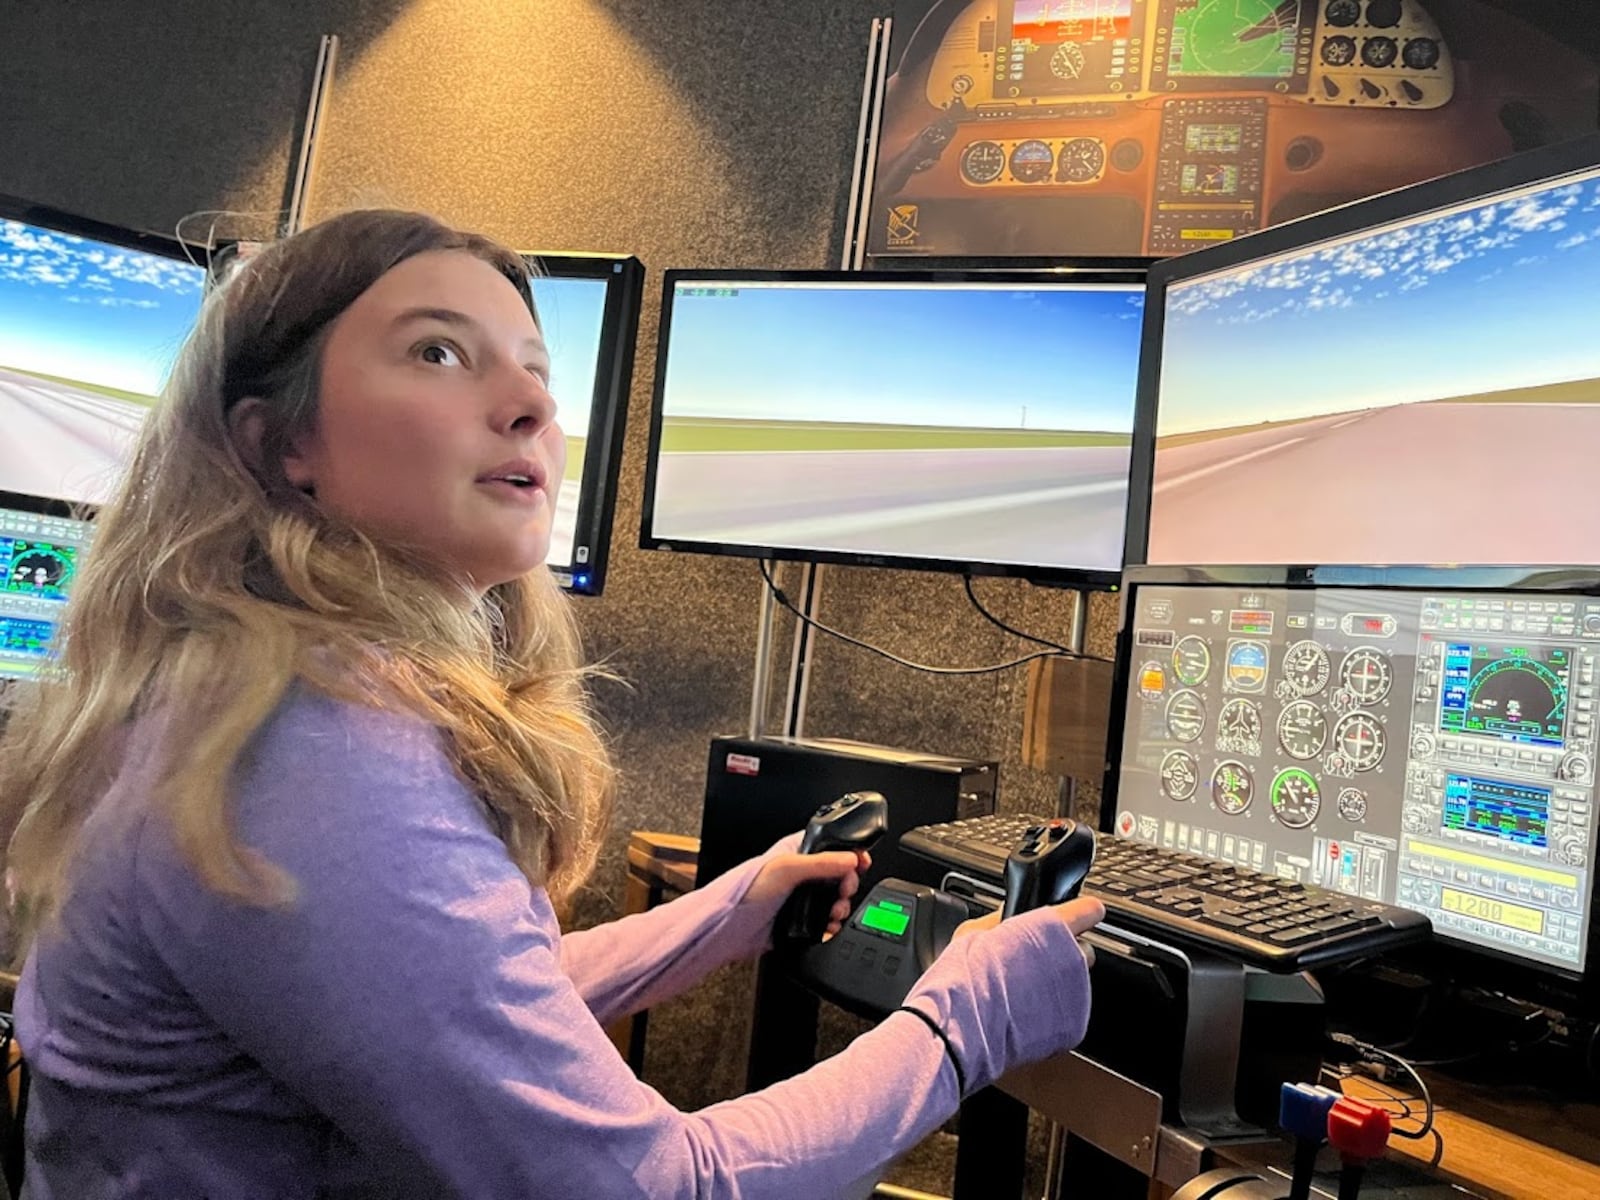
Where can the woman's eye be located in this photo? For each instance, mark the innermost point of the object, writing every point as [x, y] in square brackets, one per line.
[439, 354]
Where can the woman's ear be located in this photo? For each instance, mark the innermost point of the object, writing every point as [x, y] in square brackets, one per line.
[247, 428]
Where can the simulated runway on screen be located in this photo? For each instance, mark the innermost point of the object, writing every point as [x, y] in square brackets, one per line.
[1060, 505]
[60, 441]
[1411, 483]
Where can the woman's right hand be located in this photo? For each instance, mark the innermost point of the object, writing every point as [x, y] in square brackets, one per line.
[1080, 915]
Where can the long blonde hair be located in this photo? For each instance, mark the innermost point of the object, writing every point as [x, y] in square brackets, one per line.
[213, 585]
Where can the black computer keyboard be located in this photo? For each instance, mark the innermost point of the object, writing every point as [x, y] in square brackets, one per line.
[1168, 895]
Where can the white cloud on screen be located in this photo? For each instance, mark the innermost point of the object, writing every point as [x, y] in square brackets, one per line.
[1403, 258]
[39, 258]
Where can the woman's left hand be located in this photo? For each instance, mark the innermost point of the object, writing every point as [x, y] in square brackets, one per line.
[782, 873]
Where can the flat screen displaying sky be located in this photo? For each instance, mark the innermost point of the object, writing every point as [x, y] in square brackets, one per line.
[88, 334]
[1498, 295]
[1035, 356]
[1426, 391]
[570, 317]
[946, 424]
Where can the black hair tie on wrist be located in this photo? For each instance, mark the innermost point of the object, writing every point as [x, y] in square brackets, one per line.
[949, 1050]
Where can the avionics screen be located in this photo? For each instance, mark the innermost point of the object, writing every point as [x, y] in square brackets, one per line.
[1436, 751]
[1231, 39]
[88, 331]
[1062, 47]
[1424, 391]
[571, 318]
[39, 557]
[918, 423]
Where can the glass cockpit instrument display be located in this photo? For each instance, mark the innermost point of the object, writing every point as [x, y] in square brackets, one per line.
[39, 555]
[1068, 47]
[1436, 751]
[1207, 45]
[1153, 127]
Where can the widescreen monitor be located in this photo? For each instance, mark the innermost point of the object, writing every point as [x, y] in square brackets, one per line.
[589, 314]
[968, 421]
[1431, 745]
[1410, 379]
[41, 543]
[91, 320]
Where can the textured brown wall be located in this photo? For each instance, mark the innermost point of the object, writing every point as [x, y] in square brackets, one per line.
[687, 132]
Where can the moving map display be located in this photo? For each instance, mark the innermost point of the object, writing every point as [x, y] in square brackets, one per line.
[944, 422]
[1154, 127]
[1426, 391]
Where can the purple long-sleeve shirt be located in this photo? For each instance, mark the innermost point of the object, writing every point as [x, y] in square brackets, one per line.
[415, 1024]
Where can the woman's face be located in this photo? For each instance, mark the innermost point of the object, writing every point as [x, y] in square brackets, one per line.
[435, 424]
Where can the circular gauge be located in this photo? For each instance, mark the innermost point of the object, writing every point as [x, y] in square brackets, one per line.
[1081, 160]
[1339, 51]
[1352, 804]
[1420, 54]
[1383, 14]
[1186, 716]
[1296, 800]
[1360, 739]
[1342, 13]
[1239, 728]
[1031, 161]
[1232, 787]
[982, 162]
[1191, 660]
[1379, 51]
[1152, 681]
[1302, 730]
[1247, 666]
[1366, 675]
[1068, 61]
[1306, 667]
[1180, 775]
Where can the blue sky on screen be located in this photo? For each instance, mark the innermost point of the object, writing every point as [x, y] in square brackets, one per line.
[570, 316]
[92, 312]
[1497, 295]
[930, 355]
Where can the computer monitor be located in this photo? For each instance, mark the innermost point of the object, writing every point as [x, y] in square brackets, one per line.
[1413, 378]
[589, 315]
[1430, 745]
[40, 544]
[955, 420]
[91, 319]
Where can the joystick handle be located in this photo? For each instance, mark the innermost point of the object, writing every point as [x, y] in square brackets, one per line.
[1048, 865]
[855, 821]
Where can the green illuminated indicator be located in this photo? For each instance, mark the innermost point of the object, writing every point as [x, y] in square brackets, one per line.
[886, 917]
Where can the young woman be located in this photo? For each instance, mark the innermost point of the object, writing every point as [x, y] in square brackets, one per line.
[315, 768]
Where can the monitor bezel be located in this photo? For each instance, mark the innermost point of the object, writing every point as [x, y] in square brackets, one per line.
[624, 277]
[1463, 959]
[1523, 170]
[1082, 577]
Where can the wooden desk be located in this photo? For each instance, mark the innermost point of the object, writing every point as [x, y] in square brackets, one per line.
[1489, 1141]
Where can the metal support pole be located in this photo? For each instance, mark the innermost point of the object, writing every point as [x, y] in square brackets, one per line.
[316, 115]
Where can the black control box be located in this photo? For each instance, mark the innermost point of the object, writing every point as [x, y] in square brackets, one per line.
[759, 789]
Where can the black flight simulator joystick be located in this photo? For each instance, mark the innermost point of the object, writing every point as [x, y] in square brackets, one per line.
[855, 821]
[900, 928]
[1048, 865]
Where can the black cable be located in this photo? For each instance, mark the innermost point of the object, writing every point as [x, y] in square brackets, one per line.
[988, 616]
[783, 599]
